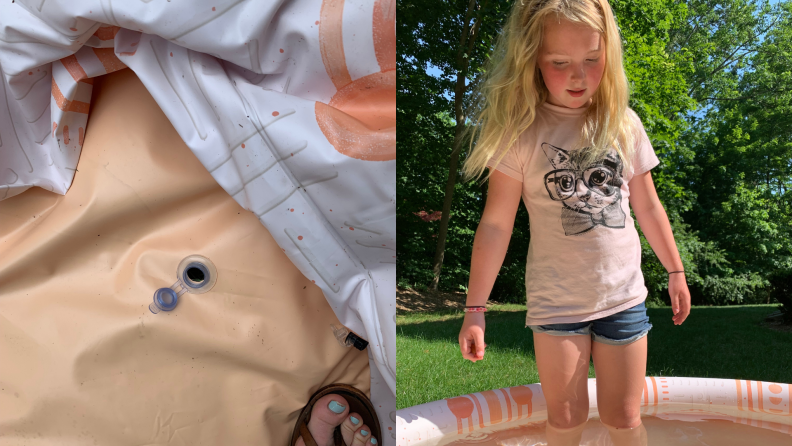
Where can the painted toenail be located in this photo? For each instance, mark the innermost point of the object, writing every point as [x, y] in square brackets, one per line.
[355, 421]
[373, 441]
[335, 407]
[363, 433]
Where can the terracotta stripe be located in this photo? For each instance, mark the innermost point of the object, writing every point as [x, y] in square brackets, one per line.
[331, 42]
[508, 403]
[81, 136]
[385, 34]
[761, 402]
[107, 32]
[462, 408]
[654, 389]
[522, 396]
[478, 410]
[60, 101]
[739, 394]
[749, 393]
[74, 68]
[494, 406]
[645, 394]
[109, 60]
[66, 134]
[79, 107]
[65, 104]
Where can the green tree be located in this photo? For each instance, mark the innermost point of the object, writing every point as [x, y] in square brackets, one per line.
[711, 82]
[741, 172]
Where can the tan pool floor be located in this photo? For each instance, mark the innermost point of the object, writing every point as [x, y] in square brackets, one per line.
[84, 361]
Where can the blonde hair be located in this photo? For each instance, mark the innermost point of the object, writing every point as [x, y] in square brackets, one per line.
[507, 97]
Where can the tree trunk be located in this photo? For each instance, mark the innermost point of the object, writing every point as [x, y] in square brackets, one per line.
[466, 42]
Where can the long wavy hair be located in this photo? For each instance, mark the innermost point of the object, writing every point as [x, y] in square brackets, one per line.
[506, 99]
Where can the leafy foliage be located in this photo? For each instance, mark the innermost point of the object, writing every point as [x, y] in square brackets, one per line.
[712, 85]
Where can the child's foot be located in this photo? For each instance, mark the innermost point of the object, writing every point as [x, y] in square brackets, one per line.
[331, 411]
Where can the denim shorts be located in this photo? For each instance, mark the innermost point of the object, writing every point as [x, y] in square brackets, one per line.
[622, 328]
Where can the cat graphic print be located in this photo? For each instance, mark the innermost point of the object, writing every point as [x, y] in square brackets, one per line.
[590, 194]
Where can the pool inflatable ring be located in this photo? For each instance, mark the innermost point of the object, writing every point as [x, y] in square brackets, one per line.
[495, 416]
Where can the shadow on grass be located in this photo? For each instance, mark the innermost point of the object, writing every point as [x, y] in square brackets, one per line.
[715, 342]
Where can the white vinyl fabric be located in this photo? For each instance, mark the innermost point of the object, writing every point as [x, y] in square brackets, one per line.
[290, 105]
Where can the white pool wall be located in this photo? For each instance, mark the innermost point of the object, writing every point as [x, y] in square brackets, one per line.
[758, 403]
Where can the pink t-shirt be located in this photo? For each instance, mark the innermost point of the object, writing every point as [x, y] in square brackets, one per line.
[584, 258]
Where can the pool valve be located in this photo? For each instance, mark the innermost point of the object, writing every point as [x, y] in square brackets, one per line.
[196, 274]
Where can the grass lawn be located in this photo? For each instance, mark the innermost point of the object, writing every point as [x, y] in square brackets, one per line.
[714, 342]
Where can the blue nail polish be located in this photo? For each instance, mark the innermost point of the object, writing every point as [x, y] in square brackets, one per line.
[355, 421]
[373, 441]
[363, 433]
[335, 407]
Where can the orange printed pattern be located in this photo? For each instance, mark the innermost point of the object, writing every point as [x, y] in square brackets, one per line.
[82, 67]
[65, 104]
[508, 406]
[760, 402]
[478, 411]
[751, 396]
[385, 34]
[360, 120]
[107, 32]
[494, 405]
[654, 389]
[522, 395]
[75, 69]
[462, 407]
[108, 59]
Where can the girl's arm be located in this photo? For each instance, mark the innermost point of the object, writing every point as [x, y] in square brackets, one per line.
[654, 223]
[492, 236]
[489, 249]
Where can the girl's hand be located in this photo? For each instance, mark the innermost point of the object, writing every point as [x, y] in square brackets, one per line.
[471, 337]
[680, 297]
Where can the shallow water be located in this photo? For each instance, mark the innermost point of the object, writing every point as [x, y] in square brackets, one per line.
[675, 411]
[660, 432]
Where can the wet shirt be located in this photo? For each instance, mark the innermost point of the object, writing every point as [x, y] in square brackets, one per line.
[584, 257]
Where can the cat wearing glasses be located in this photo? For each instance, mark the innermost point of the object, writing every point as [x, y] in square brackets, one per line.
[591, 194]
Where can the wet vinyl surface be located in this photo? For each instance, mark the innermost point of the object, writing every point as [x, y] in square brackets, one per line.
[84, 361]
[661, 432]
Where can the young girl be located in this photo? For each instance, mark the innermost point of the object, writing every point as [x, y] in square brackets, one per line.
[555, 129]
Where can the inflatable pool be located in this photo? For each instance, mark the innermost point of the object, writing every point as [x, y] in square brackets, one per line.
[675, 411]
[245, 150]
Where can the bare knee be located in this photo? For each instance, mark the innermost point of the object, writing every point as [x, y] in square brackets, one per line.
[568, 414]
[621, 419]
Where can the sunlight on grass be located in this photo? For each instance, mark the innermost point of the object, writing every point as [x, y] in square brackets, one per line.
[715, 342]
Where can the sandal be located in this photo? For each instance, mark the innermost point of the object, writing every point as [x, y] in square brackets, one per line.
[358, 402]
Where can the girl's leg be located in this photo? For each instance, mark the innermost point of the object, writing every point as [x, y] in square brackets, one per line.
[563, 363]
[620, 371]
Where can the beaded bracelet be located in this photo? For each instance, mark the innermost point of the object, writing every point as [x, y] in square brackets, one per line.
[672, 272]
[476, 309]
